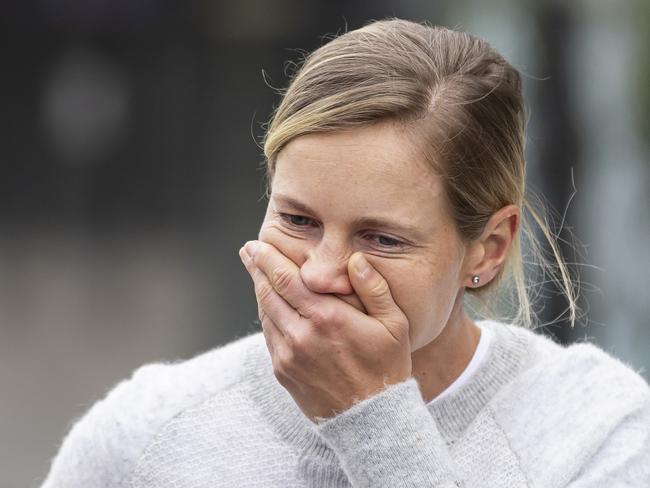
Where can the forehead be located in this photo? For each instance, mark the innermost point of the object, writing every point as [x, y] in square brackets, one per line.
[373, 172]
[381, 157]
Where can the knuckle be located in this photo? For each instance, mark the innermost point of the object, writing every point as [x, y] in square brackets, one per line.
[306, 310]
[285, 364]
[378, 289]
[299, 344]
[281, 280]
[264, 291]
[322, 316]
[327, 317]
[282, 378]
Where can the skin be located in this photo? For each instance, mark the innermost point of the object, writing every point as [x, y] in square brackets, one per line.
[336, 336]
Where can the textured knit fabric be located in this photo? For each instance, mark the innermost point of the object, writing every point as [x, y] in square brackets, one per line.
[534, 414]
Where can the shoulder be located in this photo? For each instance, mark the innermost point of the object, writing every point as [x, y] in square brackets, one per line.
[579, 373]
[102, 447]
[575, 399]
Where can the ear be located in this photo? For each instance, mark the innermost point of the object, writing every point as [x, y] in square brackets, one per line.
[486, 255]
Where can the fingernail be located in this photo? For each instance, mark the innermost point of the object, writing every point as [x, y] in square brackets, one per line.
[361, 265]
[252, 247]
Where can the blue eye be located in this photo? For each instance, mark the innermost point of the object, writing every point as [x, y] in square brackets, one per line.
[297, 220]
[386, 241]
[300, 220]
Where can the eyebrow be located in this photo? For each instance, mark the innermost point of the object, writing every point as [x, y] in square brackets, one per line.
[374, 222]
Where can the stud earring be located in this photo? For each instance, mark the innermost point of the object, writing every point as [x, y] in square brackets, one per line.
[476, 279]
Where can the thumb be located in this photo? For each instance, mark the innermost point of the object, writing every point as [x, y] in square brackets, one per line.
[374, 292]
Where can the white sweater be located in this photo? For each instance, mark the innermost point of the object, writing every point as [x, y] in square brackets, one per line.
[533, 414]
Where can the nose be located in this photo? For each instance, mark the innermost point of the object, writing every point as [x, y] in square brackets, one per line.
[326, 271]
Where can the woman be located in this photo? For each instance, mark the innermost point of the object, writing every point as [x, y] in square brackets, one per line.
[396, 176]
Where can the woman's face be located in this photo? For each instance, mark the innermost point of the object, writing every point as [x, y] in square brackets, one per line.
[368, 190]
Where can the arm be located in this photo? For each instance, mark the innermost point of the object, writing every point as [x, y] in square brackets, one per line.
[102, 447]
[624, 458]
[391, 440]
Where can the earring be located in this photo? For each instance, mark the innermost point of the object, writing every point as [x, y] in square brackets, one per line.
[476, 279]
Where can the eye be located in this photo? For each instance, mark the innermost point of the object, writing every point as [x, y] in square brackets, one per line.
[297, 220]
[386, 241]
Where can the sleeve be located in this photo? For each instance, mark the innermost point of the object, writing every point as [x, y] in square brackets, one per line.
[101, 448]
[391, 440]
[624, 458]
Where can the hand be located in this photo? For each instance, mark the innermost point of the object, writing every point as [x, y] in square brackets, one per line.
[325, 352]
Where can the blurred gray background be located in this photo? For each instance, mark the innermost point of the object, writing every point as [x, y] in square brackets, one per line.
[129, 178]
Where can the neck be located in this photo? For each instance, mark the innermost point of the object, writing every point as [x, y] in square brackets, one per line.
[438, 364]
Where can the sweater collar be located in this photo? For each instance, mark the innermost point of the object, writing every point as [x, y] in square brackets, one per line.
[453, 413]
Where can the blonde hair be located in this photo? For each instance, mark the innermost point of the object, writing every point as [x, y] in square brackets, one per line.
[463, 99]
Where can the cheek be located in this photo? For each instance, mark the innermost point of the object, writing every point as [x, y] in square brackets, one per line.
[424, 289]
[410, 284]
[294, 249]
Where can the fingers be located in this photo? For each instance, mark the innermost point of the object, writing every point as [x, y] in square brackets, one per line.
[277, 346]
[272, 335]
[283, 296]
[270, 304]
[374, 292]
[283, 276]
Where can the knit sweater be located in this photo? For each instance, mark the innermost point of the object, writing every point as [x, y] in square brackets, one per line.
[534, 414]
